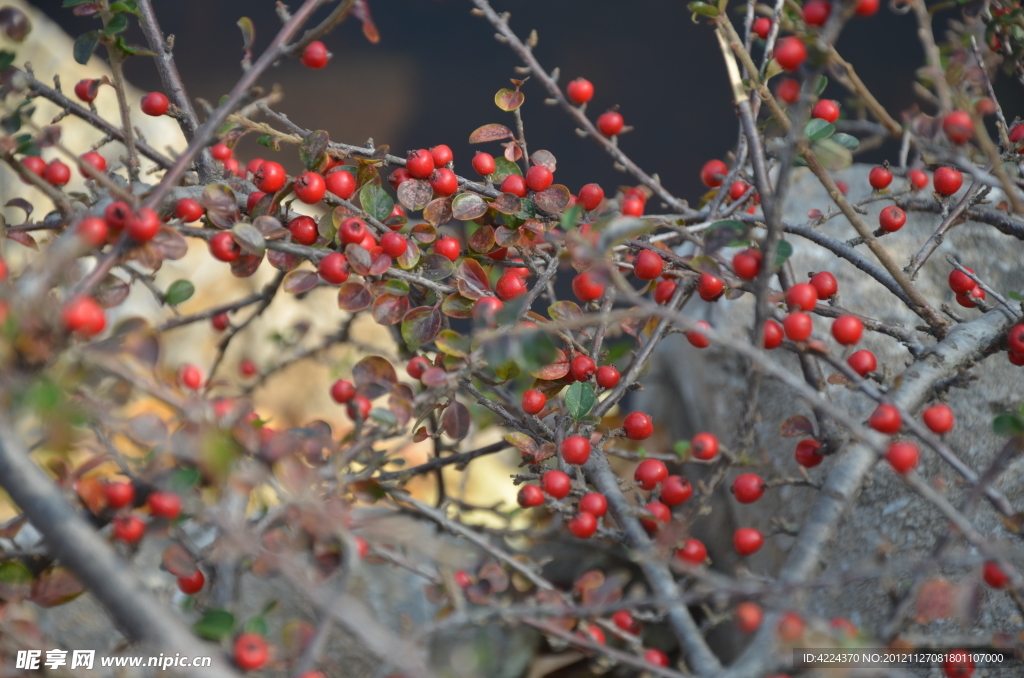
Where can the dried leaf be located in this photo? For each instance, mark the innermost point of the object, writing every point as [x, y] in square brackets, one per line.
[472, 279]
[22, 238]
[221, 205]
[457, 306]
[171, 245]
[456, 420]
[438, 212]
[178, 561]
[482, 239]
[111, 291]
[389, 309]
[468, 206]
[55, 586]
[507, 203]
[313, 151]
[491, 132]
[545, 159]
[415, 194]
[509, 100]
[297, 282]
[353, 297]
[245, 265]
[374, 376]
[796, 426]
[249, 238]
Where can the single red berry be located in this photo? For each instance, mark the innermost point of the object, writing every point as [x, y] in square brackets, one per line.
[485, 309]
[188, 210]
[93, 159]
[315, 55]
[462, 580]
[594, 503]
[270, 177]
[761, 27]
[221, 151]
[676, 490]
[947, 180]
[582, 368]
[632, 207]
[400, 176]
[994, 575]
[638, 426]
[583, 525]
[648, 265]
[310, 188]
[119, 495]
[938, 418]
[713, 173]
[696, 337]
[394, 244]
[825, 284]
[748, 488]
[960, 282]
[660, 514]
[515, 185]
[342, 391]
[250, 651]
[224, 248]
[448, 247]
[710, 287]
[826, 109]
[1015, 338]
[304, 230]
[575, 450]
[57, 173]
[807, 454]
[533, 401]
[885, 419]
[624, 620]
[798, 326]
[747, 264]
[791, 627]
[867, 7]
[802, 297]
[1016, 134]
[586, 288]
[610, 123]
[142, 225]
[220, 322]
[165, 505]
[903, 456]
[918, 179]
[958, 664]
[333, 268]
[358, 408]
[442, 155]
[664, 290]
[790, 53]
[193, 583]
[693, 552]
[128, 529]
[649, 473]
[879, 178]
[580, 91]
[444, 182]
[509, 286]
[420, 164]
[352, 231]
[816, 13]
[891, 219]
[34, 164]
[247, 368]
[591, 196]
[417, 366]
[749, 617]
[86, 90]
[483, 163]
[84, 315]
[93, 231]
[737, 190]
[862, 362]
[847, 330]
[704, 446]
[154, 104]
[341, 183]
[607, 376]
[530, 496]
[747, 541]
[556, 484]
[252, 199]
[772, 334]
[967, 300]
[656, 657]
[538, 178]
[958, 126]
[788, 90]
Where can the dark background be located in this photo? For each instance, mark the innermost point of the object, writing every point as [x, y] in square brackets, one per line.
[432, 77]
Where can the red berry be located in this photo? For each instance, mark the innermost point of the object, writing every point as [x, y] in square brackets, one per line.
[575, 450]
[224, 248]
[748, 488]
[663, 291]
[304, 230]
[1015, 338]
[84, 315]
[220, 322]
[250, 651]
[582, 368]
[843, 187]
[960, 282]
[270, 177]
[221, 151]
[638, 426]
[847, 330]
[918, 179]
[583, 525]
[747, 541]
[341, 183]
[342, 391]
[530, 496]
[761, 27]
[994, 575]
[879, 178]
[958, 664]
[958, 126]
[310, 188]
[788, 90]
[448, 247]
[632, 207]
[556, 484]
[607, 376]
[142, 225]
[862, 362]
[790, 53]
[580, 91]
[247, 368]
[676, 490]
[798, 326]
[510, 286]
[947, 180]
[442, 155]
[34, 164]
[119, 495]
[533, 401]
[903, 457]
[333, 268]
[696, 338]
[704, 446]
[747, 264]
[515, 185]
[967, 300]
[444, 182]
[749, 617]
[807, 454]
[462, 580]
[660, 513]
[93, 231]
[610, 123]
[656, 657]
[420, 164]
[791, 627]
[128, 529]
[648, 265]
[709, 287]
[737, 190]
[693, 552]
[816, 13]
[485, 309]
[95, 160]
[938, 418]
[586, 288]
[594, 503]
[417, 366]
[867, 7]
[885, 419]
[624, 620]
[538, 178]
[165, 505]
[86, 90]
[188, 210]
[154, 104]
[649, 473]
[57, 173]
[891, 219]
[483, 163]
[772, 334]
[394, 244]
[252, 199]
[358, 408]
[826, 109]
[713, 173]
[352, 231]
[825, 284]
[591, 196]
[192, 583]
[315, 55]
[802, 296]
[400, 176]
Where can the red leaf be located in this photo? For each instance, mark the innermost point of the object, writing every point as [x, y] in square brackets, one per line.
[491, 132]
[415, 194]
[374, 376]
[297, 282]
[472, 279]
[482, 239]
[456, 420]
[361, 11]
[353, 296]
[389, 309]
[178, 561]
[22, 238]
[55, 586]
[555, 370]
[796, 426]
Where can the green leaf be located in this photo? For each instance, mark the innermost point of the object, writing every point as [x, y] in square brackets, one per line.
[6, 59]
[421, 325]
[268, 141]
[819, 86]
[783, 252]
[14, 573]
[682, 448]
[215, 624]
[84, 46]
[818, 129]
[579, 399]
[723, 234]
[376, 202]
[382, 416]
[117, 24]
[1007, 425]
[183, 480]
[1016, 296]
[129, 6]
[75, 3]
[832, 155]
[257, 625]
[702, 8]
[179, 291]
[570, 217]
[313, 150]
[502, 168]
[847, 140]
[507, 370]
[132, 50]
